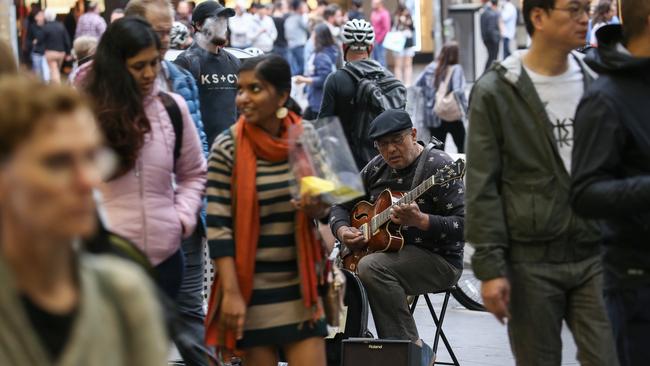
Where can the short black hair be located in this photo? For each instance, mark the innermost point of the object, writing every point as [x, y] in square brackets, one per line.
[494, 2]
[529, 5]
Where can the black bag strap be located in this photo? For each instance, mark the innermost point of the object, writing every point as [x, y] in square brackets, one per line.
[419, 170]
[177, 121]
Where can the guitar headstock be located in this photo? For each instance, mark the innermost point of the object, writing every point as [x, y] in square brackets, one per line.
[453, 171]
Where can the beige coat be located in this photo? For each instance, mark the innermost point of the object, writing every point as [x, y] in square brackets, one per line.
[118, 321]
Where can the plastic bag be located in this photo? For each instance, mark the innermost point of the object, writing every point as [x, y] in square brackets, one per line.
[322, 162]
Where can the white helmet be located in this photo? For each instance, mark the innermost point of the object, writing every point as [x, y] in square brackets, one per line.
[178, 35]
[358, 34]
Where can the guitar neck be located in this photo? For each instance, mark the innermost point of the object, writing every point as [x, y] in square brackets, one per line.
[408, 198]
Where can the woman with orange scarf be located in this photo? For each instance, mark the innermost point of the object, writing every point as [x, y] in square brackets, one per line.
[268, 259]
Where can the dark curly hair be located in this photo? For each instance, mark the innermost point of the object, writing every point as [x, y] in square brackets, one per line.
[117, 100]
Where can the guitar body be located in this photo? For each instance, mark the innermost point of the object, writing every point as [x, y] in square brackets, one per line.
[387, 238]
[373, 219]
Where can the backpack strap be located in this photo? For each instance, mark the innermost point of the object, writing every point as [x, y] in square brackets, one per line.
[353, 72]
[177, 121]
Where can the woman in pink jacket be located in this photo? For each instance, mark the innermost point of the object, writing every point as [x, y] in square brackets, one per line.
[154, 198]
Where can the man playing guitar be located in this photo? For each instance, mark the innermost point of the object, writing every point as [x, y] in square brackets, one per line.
[432, 256]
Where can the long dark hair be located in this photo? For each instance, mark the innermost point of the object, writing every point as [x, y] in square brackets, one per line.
[322, 37]
[448, 57]
[118, 102]
[600, 13]
[276, 71]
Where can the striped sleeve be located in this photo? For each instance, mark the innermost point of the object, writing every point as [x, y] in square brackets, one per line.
[219, 219]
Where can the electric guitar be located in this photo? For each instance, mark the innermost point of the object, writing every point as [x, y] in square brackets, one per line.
[373, 219]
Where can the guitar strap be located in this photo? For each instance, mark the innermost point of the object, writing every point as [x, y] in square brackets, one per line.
[419, 170]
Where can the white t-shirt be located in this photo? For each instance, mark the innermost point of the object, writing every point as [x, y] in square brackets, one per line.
[509, 16]
[262, 40]
[560, 95]
[239, 26]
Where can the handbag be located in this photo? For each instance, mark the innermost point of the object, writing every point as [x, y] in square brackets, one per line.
[394, 41]
[446, 106]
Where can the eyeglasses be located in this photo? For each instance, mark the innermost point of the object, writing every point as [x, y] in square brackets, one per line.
[576, 10]
[395, 141]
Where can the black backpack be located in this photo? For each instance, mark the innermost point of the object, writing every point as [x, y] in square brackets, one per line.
[176, 117]
[377, 90]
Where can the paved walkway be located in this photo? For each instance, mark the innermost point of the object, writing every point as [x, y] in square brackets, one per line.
[476, 337]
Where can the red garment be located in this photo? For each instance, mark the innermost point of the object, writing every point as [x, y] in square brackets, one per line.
[380, 20]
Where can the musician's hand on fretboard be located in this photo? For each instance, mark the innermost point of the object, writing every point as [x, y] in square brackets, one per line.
[409, 215]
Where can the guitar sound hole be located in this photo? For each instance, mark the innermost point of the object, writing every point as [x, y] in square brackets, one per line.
[360, 216]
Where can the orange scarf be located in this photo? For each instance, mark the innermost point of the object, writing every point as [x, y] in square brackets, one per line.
[252, 142]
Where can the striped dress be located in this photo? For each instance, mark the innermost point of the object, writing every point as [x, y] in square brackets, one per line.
[276, 314]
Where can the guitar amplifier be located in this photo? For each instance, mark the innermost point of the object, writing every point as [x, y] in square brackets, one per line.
[380, 352]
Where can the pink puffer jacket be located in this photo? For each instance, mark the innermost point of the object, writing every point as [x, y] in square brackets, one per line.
[143, 204]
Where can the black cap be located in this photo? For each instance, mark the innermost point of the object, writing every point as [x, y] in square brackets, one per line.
[389, 121]
[209, 9]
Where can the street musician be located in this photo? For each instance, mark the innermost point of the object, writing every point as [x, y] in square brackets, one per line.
[432, 227]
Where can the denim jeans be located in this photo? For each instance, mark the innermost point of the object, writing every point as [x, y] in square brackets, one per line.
[282, 52]
[297, 60]
[379, 54]
[506, 48]
[190, 298]
[40, 67]
[629, 312]
[170, 274]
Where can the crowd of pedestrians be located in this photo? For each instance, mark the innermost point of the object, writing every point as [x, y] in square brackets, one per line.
[156, 159]
[285, 28]
[500, 18]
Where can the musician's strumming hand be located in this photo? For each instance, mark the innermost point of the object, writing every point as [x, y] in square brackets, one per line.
[351, 237]
[409, 215]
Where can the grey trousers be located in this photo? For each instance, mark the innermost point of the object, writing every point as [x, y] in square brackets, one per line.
[190, 299]
[545, 294]
[390, 277]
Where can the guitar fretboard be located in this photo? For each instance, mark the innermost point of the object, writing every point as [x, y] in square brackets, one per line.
[408, 198]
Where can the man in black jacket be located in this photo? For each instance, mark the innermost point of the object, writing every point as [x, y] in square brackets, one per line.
[611, 173]
[490, 31]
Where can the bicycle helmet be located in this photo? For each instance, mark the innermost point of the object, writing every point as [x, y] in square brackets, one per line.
[178, 35]
[358, 34]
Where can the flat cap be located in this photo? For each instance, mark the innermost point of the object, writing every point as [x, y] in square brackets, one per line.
[209, 9]
[389, 121]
